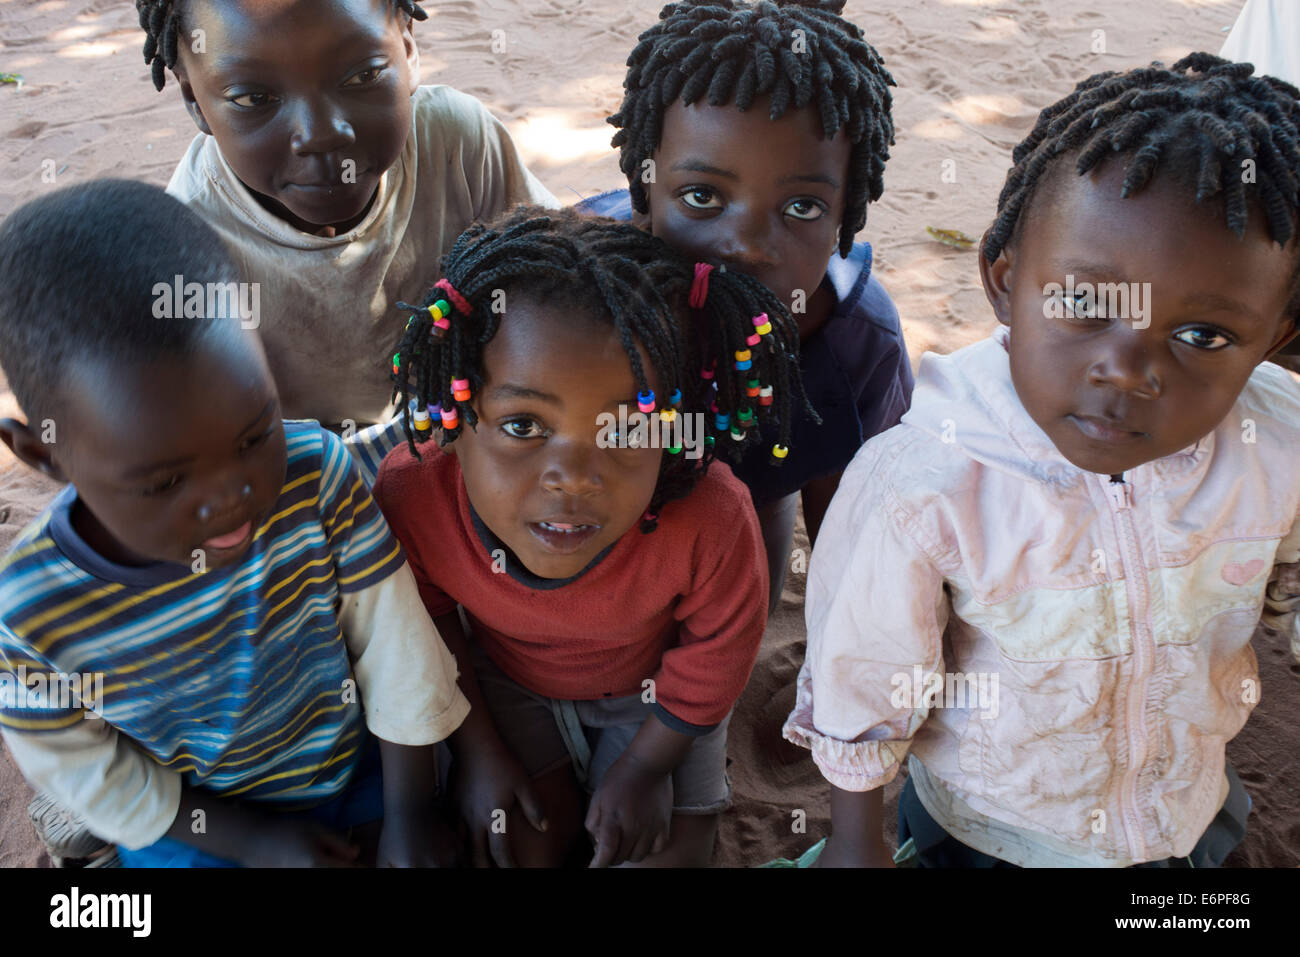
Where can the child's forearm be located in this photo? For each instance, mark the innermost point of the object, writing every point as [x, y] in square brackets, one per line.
[657, 747]
[215, 825]
[857, 832]
[477, 731]
[410, 778]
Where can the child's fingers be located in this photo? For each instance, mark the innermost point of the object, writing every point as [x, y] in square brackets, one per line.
[660, 843]
[643, 847]
[499, 839]
[500, 846]
[608, 845]
[478, 847]
[337, 846]
[531, 805]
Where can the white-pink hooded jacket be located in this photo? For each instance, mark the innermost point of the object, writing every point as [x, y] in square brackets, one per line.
[1111, 621]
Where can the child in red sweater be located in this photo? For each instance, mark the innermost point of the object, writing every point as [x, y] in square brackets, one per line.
[613, 584]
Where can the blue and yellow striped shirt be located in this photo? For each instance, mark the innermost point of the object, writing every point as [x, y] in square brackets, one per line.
[238, 678]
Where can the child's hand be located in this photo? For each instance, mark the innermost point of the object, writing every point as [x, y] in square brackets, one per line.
[298, 843]
[491, 784]
[417, 840]
[630, 813]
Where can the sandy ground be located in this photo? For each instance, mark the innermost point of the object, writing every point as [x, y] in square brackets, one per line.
[972, 75]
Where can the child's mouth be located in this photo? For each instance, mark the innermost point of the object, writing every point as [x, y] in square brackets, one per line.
[1104, 430]
[224, 543]
[563, 538]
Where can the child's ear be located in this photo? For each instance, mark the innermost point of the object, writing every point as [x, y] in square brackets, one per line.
[28, 448]
[996, 277]
[1290, 329]
[191, 103]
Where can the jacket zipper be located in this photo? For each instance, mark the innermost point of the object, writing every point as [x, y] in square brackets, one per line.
[1120, 494]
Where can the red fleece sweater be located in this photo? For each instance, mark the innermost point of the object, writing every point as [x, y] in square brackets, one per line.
[685, 605]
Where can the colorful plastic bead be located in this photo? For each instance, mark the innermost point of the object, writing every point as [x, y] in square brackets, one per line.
[737, 433]
[674, 450]
[765, 395]
[676, 399]
[668, 415]
[754, 340]
[722, 421]
[706, 374]
[746, 418]
[450, 418]
[779, 452]
[397, 363]
[460, 390]
[752, 388]
[645, 401]
[710, 441]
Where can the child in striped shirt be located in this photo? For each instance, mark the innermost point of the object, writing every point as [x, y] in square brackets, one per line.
[255, 644]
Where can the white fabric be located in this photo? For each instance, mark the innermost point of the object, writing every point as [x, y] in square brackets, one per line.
[1267, 34]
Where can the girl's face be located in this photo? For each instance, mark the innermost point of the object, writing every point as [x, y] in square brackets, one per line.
[764, 197]
[533, 469]
[1116, 391]
[309, 100]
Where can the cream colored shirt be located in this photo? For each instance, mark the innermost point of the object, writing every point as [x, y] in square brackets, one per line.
[326, 305]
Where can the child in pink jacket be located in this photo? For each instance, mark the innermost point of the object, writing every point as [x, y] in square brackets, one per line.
[1041, 586]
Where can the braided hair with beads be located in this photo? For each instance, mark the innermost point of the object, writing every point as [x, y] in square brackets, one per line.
[804, 54]
[1204, 117]
[162, 22]
[735, 360]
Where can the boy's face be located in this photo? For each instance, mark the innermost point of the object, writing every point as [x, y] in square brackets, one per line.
[764, 197]
[169, 457]
[1116, 391]
[533, 469]
[309, 100]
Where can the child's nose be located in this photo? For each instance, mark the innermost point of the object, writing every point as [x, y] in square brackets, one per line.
[1128, 365]
[223, 500]
[573, 469]
[321, 127]
[751, 246]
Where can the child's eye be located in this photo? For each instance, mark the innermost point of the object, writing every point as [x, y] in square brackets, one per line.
[1080, 306]
[255, 441]
[1203, 337]
[162, 488]
[808, 210]
[254, 100]
[523, 428]
[365, 77]
[701, 197]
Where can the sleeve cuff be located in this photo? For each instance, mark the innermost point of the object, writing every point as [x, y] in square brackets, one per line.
[849, 765]
[683, 727]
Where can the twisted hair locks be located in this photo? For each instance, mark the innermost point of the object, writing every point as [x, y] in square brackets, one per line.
[802, 54]
[1205, 116]
[162, 22]
[734, 359]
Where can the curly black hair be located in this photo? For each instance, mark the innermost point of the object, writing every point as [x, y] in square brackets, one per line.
[161, 21]
[802, 52]
[737, 363]
[79, 275]
[1203, 118]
